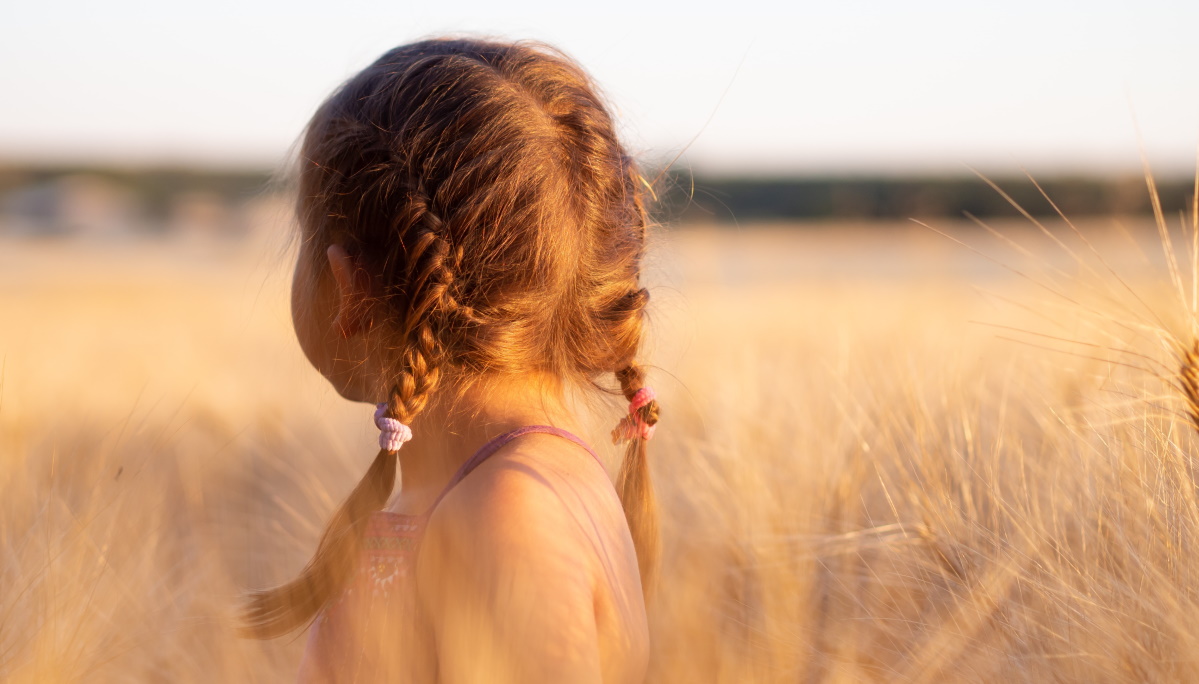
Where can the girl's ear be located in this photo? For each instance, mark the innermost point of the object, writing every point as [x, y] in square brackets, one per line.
[353, 315]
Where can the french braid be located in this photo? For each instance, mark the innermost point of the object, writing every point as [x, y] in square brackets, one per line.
[277, 611]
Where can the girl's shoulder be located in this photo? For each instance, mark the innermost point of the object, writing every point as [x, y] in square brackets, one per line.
[538, 490]
[537, 533]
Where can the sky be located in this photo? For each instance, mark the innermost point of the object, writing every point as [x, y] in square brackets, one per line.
[852, 86]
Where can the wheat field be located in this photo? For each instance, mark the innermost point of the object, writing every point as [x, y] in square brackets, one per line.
[884, 456]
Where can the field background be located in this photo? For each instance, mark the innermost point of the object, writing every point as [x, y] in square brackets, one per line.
[883, 456]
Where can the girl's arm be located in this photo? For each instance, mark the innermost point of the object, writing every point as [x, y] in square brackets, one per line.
[507, 580]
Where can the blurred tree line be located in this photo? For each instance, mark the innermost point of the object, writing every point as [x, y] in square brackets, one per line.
[732, 199]
[109, 200]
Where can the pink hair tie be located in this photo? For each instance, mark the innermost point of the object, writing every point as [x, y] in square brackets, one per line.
[392, 433]
[632, 425]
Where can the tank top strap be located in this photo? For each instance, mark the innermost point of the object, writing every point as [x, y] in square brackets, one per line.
[494, 445]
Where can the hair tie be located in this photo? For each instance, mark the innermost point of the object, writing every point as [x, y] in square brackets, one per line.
[633, 425]
[392, 433]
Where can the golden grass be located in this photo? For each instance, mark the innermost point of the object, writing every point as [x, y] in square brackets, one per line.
[858, 483]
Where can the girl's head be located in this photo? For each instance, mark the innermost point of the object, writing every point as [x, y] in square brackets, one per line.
[486, 205]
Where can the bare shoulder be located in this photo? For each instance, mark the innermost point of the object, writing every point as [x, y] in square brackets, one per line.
[533, 545]
[539, 499]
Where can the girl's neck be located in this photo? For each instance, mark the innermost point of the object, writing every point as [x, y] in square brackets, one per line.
[448, 432]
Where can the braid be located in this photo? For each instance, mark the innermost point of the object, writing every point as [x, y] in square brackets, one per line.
[277, 611]
[634, 485]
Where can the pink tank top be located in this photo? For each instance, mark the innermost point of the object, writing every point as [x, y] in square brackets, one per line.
[353, 636]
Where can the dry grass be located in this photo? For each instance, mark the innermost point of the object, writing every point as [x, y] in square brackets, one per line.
[858, 484]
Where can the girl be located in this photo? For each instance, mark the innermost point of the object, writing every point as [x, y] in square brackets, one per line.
[472, 240]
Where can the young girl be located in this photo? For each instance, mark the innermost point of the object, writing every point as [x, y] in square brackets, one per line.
[472, 239]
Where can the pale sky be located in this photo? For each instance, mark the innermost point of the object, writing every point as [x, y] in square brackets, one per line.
[844, 86]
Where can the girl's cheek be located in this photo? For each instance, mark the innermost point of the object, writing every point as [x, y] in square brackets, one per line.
[303, 316]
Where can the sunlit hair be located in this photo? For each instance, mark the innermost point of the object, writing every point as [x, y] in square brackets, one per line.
[483, 187]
